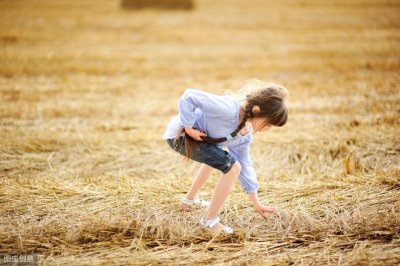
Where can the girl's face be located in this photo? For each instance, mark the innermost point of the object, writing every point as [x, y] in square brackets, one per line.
[259, 125]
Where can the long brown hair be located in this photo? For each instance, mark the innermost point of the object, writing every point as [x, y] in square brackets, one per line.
[273, 109]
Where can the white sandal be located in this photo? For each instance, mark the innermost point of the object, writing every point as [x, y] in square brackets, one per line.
[212, 222]
[195, 202]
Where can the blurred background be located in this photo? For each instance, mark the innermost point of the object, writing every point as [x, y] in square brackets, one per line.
[111, 72]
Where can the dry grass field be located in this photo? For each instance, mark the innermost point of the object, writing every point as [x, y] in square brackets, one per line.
[87, 89]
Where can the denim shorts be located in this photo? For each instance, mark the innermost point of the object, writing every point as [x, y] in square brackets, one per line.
[207, 153]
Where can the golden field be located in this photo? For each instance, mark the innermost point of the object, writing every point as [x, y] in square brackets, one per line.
[87, 89]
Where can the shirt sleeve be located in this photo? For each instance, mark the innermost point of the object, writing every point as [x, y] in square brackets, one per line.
[247, 177]
[213, 105]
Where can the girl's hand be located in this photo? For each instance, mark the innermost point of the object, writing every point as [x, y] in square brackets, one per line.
[195, 134]
[264, 211]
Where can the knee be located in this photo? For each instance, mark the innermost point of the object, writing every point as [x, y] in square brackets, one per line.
[235, 170]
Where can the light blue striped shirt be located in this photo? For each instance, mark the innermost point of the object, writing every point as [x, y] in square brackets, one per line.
[217, 116]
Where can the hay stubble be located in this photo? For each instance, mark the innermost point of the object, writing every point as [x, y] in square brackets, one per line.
[85, 177]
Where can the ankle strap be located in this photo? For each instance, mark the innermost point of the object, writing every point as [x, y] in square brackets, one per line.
[212, 222]
[195, 200]
[187, 201]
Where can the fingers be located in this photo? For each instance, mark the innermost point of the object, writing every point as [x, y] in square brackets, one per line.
[270, 209]
[266, 211]
[200, 136]
[263, 213]
[274, 211]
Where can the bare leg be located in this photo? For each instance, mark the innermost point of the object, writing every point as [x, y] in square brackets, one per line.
[222, 189]
[201, 177]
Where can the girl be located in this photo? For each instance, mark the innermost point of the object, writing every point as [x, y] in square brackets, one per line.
[207, 123]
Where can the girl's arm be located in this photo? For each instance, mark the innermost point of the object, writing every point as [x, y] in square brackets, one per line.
[248, 179]
[262, 210]
[254, 199]
[194, 133]
[213, 105]
[247, 176]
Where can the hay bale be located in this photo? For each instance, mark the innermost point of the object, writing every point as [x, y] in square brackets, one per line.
[159, 4]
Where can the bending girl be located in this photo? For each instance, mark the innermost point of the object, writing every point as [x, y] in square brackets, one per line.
[207, 123]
